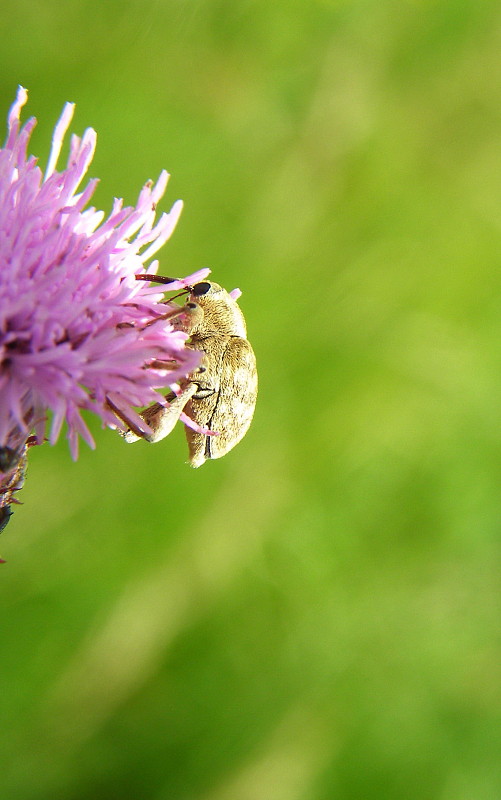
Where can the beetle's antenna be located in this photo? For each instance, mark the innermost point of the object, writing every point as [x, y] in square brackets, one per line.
[180, 294]
[175, 312]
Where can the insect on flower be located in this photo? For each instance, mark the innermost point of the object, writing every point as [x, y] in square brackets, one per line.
[217, 399]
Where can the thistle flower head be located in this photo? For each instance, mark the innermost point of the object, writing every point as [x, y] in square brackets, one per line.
[73, 318]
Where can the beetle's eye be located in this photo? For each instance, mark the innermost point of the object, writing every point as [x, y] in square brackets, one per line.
[201, 288]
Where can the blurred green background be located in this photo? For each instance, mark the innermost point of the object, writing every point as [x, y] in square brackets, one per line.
[317, 615]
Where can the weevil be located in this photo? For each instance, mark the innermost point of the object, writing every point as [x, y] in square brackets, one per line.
[220, 395]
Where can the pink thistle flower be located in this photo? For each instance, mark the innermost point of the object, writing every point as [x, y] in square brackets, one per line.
[73, 317]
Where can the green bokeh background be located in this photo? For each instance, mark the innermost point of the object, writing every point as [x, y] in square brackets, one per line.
[317, 615]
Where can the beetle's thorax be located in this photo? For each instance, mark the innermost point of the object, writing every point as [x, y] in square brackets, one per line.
[221, 314]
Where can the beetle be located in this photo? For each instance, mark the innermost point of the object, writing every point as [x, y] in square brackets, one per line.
[220, 395]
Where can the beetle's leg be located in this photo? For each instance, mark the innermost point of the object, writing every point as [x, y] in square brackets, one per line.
[162, 419]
